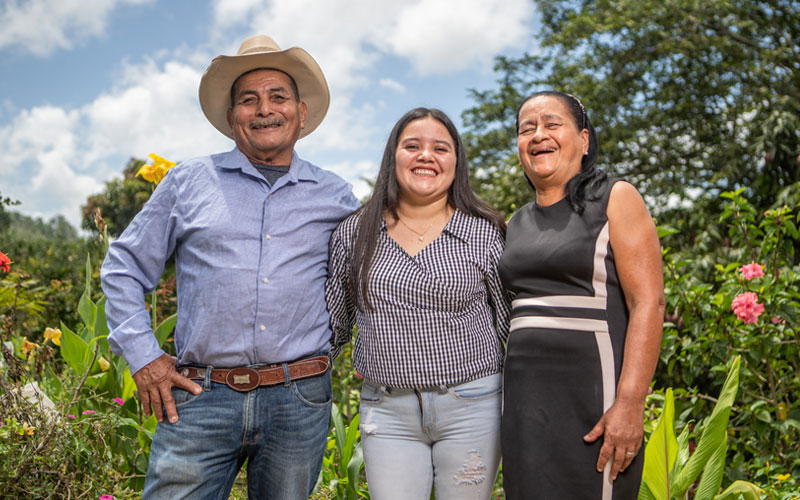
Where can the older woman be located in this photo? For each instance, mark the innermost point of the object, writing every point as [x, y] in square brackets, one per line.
[584, 263]
[416, 269]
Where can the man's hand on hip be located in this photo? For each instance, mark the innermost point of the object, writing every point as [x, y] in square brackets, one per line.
[155, 381]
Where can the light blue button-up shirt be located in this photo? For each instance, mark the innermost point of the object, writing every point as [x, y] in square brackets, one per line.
[251, 263]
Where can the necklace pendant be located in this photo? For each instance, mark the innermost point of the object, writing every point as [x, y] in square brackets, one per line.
[421, 238]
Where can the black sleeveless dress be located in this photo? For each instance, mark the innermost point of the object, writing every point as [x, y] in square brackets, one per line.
[564, 353]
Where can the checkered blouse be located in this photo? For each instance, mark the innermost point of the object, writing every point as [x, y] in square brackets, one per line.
[439, 318]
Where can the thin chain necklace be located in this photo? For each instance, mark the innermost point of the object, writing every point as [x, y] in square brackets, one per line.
[421, 235]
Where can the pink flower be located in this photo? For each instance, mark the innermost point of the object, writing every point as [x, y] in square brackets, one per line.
[119, 401]
[747, 308]
[777, 320]
[752, 270]
[71, 416]
[106, 497]
[88, 412]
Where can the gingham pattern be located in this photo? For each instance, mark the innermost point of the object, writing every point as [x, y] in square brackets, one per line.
[439, 318]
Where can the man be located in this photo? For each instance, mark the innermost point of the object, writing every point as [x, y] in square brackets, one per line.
[250, 232]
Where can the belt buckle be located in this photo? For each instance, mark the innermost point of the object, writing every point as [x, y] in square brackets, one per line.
[243, 379]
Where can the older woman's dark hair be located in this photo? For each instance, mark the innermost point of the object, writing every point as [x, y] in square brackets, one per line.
[385, 197]
[585, 185]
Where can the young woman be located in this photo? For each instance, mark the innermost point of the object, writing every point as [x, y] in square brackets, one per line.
[416, 269]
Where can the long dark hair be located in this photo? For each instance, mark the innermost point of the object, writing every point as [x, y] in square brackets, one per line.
[385, 196]
[585, 184]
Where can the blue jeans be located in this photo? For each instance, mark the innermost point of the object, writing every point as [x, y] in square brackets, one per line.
[448, 437]
[280, 430]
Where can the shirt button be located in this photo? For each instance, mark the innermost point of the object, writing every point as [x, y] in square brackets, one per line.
[267, 236]
[265, 280]
[263, 328]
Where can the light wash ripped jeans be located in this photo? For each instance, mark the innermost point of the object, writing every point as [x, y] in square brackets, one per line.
[448, 437]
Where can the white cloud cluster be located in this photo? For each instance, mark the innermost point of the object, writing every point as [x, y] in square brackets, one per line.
[40, 27]
[43, 143]
[154, 109]
[349, 38]
[56, 157]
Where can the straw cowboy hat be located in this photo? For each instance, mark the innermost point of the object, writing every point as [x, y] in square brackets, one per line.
[256, 52]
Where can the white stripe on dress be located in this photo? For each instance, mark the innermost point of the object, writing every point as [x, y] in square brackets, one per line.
[604, 348]
[562, 301]
[558, 323]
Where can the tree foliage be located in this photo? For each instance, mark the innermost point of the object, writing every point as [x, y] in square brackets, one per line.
[119, 202]
[687, 96]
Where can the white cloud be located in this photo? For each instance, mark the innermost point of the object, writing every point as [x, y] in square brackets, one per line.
[393, 85]
[443, 36]
[349, 38]
[41, 27]
[154, 110]
[43, 143]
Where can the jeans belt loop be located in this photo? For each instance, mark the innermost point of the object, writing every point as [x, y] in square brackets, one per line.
[287, 380]
[207, 378]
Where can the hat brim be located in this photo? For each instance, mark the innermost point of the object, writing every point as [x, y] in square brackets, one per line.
[215, 86]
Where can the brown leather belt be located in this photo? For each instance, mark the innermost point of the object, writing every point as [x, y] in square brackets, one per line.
[244, 379]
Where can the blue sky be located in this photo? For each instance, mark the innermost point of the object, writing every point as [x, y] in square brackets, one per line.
[87, 84]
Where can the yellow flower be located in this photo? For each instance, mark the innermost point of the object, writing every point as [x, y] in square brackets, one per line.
[155, 172]
[28, 430]
[784, 477]
[28, 346]
[53, 334]
[783, 411]
[104, 364]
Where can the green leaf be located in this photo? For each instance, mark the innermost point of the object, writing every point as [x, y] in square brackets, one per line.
[73, 349]
[645, 493]
[88, 312]
[165, 328]
[87, 290]
[354, 466]
[711, 479]
[350, 439]
[660, 452]
[714, 434]
[146, 432]
[128, 385]
[683, 451]
[100, 322]
[741, 490]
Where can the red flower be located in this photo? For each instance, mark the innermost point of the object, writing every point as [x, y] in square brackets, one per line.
[5, 263]
[747, 308]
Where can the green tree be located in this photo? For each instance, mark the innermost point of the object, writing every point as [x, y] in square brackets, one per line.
[119, 202]
[687, 97]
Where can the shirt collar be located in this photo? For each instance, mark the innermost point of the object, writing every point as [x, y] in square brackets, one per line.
[299, 169]
[458, 226]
